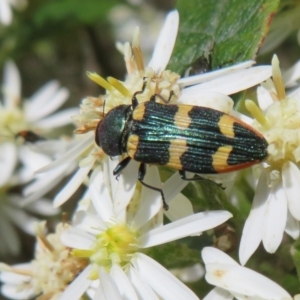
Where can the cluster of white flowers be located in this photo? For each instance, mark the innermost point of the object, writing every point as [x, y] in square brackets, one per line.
[102, 254]
[23, 118]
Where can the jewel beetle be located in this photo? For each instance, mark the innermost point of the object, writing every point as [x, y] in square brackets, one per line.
[184, 137]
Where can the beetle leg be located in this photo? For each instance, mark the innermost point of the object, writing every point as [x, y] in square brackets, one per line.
[162, 98]
[197, 177]
[121, 166]
[141, 175]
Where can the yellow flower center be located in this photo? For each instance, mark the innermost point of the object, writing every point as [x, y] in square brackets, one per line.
[280, 124]
[283, 135]
[115, 245]
[52, 269]
[12, 121]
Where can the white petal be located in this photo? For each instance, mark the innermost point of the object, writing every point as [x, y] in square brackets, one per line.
[155, 222]
[72, 154]
[291, 75]
[179, 207]
[15, 278]
[78, 286]
[45, 101]
[173, 186]
[161, 280]
[88, 222]
[123, 283]
[244, 281]
[43, 207]
[43, 95]
[252, 232]
[231, 83]
[292, 227]
[241, 280]
[187, 81]
[14, 292]
[108, 168]
[184, 227]
[21, 219]
[72, 186]
[31, 159]
[189, 274]
[124, 187]
[76, 238]
[151, 201]
[53, 148]
[8, 161]
[165, 43]
[143, 290]
[100, 195]
[212, 100]
[5, 13]
[275, 218]
[91, 291]
[97, 294]
[212, 255]
[11, 84]
[44, 183]
[107, 287]
[264, 98]
[59, 119]
[218, 294]
[291, 185]
[297, 297]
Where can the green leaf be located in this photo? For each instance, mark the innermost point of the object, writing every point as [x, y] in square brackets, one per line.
[86, 12]
[232, 31]
[174, 255]
[295, 252]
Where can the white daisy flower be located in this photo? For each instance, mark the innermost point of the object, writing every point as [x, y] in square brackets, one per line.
[113, 236]
[14, 213]
[6, 9]
[16, 118]
[45, 277]
[13, 216]
[33, 114]
[275, 207]
[232, 280]
[45, 182]
[211, 92]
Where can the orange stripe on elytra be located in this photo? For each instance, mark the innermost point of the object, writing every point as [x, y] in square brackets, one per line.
[182, 120]
[139, 112]
[226, 126]
[132, 144]
[176, 149]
